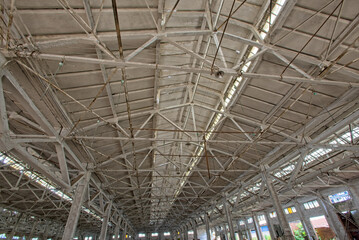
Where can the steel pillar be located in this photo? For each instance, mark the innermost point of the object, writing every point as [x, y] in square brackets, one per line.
[106, 218]
[229, 221]
[270, 225]
[239, 230]
[75, 210]
[206, 220]
[278, 208]
[124, 233]
[185, 232]
[225, 232]
[13, 231]
[33, 229]
[117, 229]
[257, 228]
[194, 226]
[46, 231]
[332, 218]
[308, 228]
[248, 230]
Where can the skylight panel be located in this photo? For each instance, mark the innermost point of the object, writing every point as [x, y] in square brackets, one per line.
[230, 93]
[271, 18]
[281, 2]
[40, 181]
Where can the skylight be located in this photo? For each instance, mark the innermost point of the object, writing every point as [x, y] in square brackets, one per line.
[318, 153]
[313, 156]
[35, 177]
[271, 18]
[231, 91]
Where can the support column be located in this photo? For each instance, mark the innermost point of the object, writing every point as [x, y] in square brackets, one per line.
[270, 225]
[185, 232]
[308, 228]
[217, 232]
[123, 237]
[75, 210]
[33, 229]
[104, 227]
[257, 228]
[229, 221]
[225, 232]
[239, 230]
[248, 230]
[46, 231]
[278, 208]
[11, 235]
[194, 226]
[332, 218]
[206, 220]
[117, 228]
[58, 233]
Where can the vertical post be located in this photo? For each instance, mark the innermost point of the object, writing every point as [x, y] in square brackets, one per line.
[106, 218]
[225, 232]
[180, 235]
[14, 229]
[332, 218]
[75, 210]
[117, 228]
[270, 225]
[123, 237]
[249, 233]
[185, 232]
[278, 208]
[216, 232]
[308, 228]
[33, 229]
[46, 231]
[239, 230]
[229, 220]
[257, 227]
[58, 233]
[194, 225]
[206, 220]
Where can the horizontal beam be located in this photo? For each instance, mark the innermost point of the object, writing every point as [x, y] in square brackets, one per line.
[121, 64]
[41, 138]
